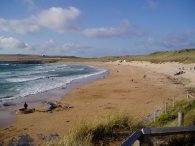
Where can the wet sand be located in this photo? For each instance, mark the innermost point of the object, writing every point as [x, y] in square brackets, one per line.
[129, 88]
[7, 118]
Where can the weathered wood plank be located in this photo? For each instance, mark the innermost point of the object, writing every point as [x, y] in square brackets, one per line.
[168, 130]
[135, 136]
[156, 132]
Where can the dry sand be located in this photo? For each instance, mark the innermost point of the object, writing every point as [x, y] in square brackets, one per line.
[168, 68]
[125, 90]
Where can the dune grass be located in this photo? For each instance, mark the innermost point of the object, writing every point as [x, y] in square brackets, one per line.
[118, 126]
[114, 127]
[183, 56]
[187, 107]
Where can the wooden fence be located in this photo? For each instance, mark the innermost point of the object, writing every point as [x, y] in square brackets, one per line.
[164, 109]
[143, 135]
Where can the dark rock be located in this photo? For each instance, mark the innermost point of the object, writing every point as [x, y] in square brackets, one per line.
[23, 140]
[26, 111]
[42, 137]
[50, 106]
[53, 136]
[9, 104]
[179, 73]
[67, 106]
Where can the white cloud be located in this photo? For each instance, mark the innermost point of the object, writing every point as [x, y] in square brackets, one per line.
[104, 32]
[62, 20]
[177, 42]
[74, 46]
[125, 30]
[11, 43]
[49, 47]
[48, 44]
[59, 19]
[173, 41]
[25, 26]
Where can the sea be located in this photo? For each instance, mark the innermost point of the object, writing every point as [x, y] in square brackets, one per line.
[21, 80]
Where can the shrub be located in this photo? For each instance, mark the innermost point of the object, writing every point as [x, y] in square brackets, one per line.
[164, 118]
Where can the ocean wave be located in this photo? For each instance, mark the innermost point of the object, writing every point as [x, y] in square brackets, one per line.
[57, 82]
[88, 75]
[18, 80]
[42, 87]
[33, 71]
[6, 64]
[33, 84]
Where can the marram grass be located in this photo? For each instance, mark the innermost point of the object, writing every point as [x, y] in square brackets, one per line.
[109, 129]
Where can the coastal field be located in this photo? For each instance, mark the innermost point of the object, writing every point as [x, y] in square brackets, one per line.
[136, 88]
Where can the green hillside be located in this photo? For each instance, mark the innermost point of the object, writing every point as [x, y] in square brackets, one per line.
[184, 56]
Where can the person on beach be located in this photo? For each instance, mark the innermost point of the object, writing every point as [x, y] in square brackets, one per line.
[25, 105]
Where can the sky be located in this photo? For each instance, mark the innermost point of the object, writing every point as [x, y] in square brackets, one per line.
[95, 28]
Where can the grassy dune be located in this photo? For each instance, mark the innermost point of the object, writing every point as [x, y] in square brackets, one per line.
[113, 128]
[184, 56]
[37, 58]
[118, 126]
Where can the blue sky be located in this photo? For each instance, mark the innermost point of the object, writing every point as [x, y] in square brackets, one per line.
[95, 28]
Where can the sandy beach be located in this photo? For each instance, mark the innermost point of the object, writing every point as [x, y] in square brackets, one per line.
[138, 88]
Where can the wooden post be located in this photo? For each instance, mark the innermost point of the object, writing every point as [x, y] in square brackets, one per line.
[173, 101]
[165, 108]
[154, 116]
[180, 118]
[187, 96]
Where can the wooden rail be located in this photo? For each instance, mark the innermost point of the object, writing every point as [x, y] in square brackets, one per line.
[140, 134]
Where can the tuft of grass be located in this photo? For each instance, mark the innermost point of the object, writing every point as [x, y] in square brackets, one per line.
[114, 127]
[170, 118]
[164, 118]
[190, 118]
[183, 106]
[80, 135]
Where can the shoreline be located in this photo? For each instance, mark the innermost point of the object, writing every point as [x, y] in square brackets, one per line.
[8, 113]
[124, 90]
